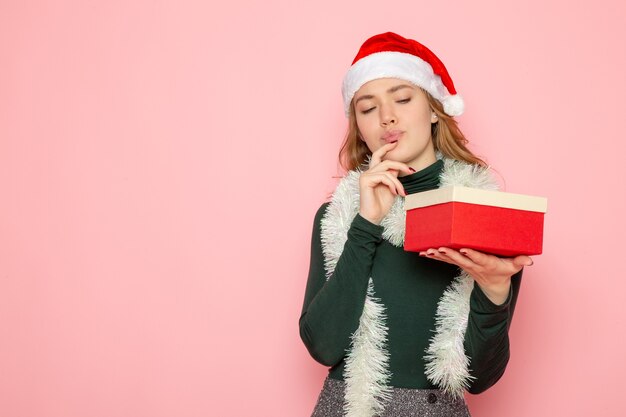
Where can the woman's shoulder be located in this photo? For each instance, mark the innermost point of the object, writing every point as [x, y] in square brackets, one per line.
[321, 210]
[343, 191]
[318, 218]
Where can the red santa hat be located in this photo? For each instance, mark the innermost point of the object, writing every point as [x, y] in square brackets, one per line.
[389, 55]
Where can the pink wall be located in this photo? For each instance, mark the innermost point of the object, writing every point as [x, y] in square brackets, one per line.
[145, 147]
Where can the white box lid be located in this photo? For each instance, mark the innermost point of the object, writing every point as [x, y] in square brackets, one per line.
[476, 196]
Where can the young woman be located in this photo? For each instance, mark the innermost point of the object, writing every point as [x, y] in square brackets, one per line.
[404, 333]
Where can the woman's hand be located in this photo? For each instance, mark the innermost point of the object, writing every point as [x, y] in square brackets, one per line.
[379, 185]
[492, 274]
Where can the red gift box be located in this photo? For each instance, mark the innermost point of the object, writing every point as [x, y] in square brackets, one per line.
[495, 222]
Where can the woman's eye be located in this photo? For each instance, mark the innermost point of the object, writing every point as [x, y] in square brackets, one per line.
[406, 100]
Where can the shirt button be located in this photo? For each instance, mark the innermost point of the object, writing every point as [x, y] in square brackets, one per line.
[432, 398]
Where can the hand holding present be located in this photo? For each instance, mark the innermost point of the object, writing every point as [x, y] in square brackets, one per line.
[491, 273]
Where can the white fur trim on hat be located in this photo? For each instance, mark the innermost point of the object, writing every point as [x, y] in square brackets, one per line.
[390, 64]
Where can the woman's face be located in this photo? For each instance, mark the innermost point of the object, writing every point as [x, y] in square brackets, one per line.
[389, 109]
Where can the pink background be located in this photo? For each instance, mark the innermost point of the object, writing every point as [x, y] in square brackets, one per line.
[161, 163]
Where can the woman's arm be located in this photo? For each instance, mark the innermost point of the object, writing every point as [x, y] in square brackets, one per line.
[332, 309]
[487, 336]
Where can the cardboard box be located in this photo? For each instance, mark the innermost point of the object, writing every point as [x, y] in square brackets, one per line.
[495, 222]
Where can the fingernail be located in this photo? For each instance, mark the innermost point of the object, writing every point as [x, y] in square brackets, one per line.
[412, 170]
[463, 251]
[442, 251]
[531, 262]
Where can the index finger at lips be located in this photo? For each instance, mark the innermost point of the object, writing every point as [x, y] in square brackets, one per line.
[377, 155]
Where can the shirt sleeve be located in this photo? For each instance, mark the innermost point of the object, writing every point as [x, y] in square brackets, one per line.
[487, 336]
[332, 309]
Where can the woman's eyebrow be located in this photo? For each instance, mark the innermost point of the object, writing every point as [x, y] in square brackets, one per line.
[391, 90]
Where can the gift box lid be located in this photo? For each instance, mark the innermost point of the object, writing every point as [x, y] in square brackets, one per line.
[476, 196]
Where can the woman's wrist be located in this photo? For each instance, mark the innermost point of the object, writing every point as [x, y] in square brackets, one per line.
[497, 293]
[371, 220]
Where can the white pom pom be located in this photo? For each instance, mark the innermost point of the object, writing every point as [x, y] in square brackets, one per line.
[454, 105]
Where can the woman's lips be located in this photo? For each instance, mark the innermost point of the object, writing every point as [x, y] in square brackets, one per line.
[392, 137]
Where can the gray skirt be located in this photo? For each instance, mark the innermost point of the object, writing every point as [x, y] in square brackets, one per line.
[405, 402]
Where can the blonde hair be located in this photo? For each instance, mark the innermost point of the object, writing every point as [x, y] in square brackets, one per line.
[446, 135]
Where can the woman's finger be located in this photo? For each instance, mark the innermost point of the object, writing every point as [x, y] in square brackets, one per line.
[378, 154]
[392, 165]
[477, 257]
[484, 259]
[372, 179]
[454, 257]
[389, 183]
[522, 260]
[399, 187]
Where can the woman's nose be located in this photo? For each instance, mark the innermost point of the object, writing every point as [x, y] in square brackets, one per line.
[387, 116]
